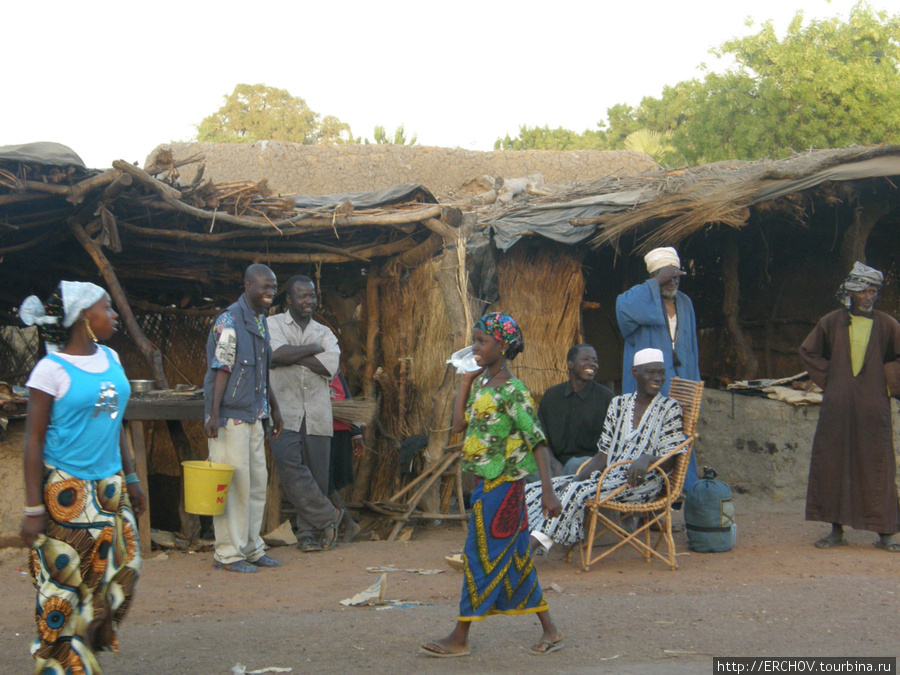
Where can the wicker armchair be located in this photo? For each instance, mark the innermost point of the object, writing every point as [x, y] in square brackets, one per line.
[656, 513]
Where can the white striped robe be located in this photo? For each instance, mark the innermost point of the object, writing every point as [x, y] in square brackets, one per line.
[658, 433]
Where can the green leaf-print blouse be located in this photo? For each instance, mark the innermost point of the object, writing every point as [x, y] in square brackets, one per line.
[502, 431]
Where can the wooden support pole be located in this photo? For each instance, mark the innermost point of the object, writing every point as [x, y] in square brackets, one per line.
[749, 365]
[373, 329]
[134, 437]
[150, 352]
[452, 279]
[853, 243]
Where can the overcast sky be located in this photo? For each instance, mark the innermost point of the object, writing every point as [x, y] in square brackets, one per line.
[114, 79]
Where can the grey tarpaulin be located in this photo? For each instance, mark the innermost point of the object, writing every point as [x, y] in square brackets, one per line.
[49, 154]
[396, 194]
[886, 165]
[483, 274]
[553, 220]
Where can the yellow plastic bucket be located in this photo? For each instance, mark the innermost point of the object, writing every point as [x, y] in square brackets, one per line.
[206, 487]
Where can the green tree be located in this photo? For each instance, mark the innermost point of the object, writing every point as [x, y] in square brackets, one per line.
[830, 83]
[399, 138]
[545, 138]
[257, 112]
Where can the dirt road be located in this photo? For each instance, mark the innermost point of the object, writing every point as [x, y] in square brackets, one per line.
[773, 595]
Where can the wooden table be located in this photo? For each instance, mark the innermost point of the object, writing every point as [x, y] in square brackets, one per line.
[148, 408]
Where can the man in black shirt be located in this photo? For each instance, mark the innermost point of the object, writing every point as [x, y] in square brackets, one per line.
[572, 413]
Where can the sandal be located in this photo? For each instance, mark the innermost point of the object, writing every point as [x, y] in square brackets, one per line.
[434, 650]
[309, 545]
[239, 566]
[266, 561]
[549, 649]
[890, 547]
[330, 532]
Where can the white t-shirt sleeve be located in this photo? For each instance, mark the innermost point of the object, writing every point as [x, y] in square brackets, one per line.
[49, 377]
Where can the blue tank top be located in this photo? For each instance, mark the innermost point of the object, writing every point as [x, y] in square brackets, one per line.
[83, 436]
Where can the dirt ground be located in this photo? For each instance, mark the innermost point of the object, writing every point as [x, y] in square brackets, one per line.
[773, 595]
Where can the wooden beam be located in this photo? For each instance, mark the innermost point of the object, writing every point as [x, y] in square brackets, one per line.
[144, 178]
[15, 197]
[150, 352]
[77, 192]
[360, 254]
[209, 238]
[28, 244]
[305, 219]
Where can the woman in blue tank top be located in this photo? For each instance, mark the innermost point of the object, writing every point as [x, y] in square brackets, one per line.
[79, 482]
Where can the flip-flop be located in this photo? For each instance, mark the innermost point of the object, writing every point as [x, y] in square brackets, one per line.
[330, 532]
[825, 542]
[891, 547]
[309, 545]
[551, 647]
[439, 652]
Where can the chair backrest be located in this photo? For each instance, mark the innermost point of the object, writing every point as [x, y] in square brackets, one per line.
[689, 394]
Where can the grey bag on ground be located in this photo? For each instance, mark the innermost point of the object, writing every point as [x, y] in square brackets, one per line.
[709, 515]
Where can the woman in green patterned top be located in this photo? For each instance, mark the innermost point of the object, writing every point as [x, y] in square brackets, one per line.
[503, 443]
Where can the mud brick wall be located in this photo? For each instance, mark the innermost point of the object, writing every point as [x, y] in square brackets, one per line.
[292, 168]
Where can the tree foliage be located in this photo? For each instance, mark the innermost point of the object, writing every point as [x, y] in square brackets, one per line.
[257, 112]
[545, 138]
[399, 138]
[830, 83]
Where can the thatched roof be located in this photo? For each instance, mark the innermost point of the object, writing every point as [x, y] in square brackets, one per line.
[172, 243]
[665, 206]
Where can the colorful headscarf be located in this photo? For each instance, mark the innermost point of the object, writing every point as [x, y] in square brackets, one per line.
[503, 327]
[859, 279]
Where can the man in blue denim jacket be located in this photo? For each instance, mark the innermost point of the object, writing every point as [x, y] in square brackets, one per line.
[238, 402]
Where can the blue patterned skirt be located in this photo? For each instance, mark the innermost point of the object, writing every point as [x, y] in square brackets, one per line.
[85, 571]
[499, 573]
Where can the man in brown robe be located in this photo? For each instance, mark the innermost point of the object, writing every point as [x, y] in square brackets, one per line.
[853, 355]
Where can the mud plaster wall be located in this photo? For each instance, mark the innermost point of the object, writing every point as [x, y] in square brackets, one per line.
[764, 449]
[292, 168]
[12, 494]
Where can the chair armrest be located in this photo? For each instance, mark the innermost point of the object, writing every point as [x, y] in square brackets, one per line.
[653, 467]
[676, 450]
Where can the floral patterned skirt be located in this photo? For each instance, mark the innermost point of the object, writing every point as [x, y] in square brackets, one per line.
[498, 570]
[85, 571]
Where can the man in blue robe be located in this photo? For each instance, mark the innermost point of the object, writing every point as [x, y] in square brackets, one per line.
[656, 315]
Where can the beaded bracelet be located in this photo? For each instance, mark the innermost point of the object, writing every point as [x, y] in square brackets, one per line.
[131, 479]
[38, 510]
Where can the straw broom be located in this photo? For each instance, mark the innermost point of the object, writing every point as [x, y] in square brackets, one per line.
[357, 411]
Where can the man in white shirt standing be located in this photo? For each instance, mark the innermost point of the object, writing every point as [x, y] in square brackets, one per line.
[305, 358]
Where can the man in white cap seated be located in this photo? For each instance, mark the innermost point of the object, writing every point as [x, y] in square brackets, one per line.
[641, 426]
[655, 314]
